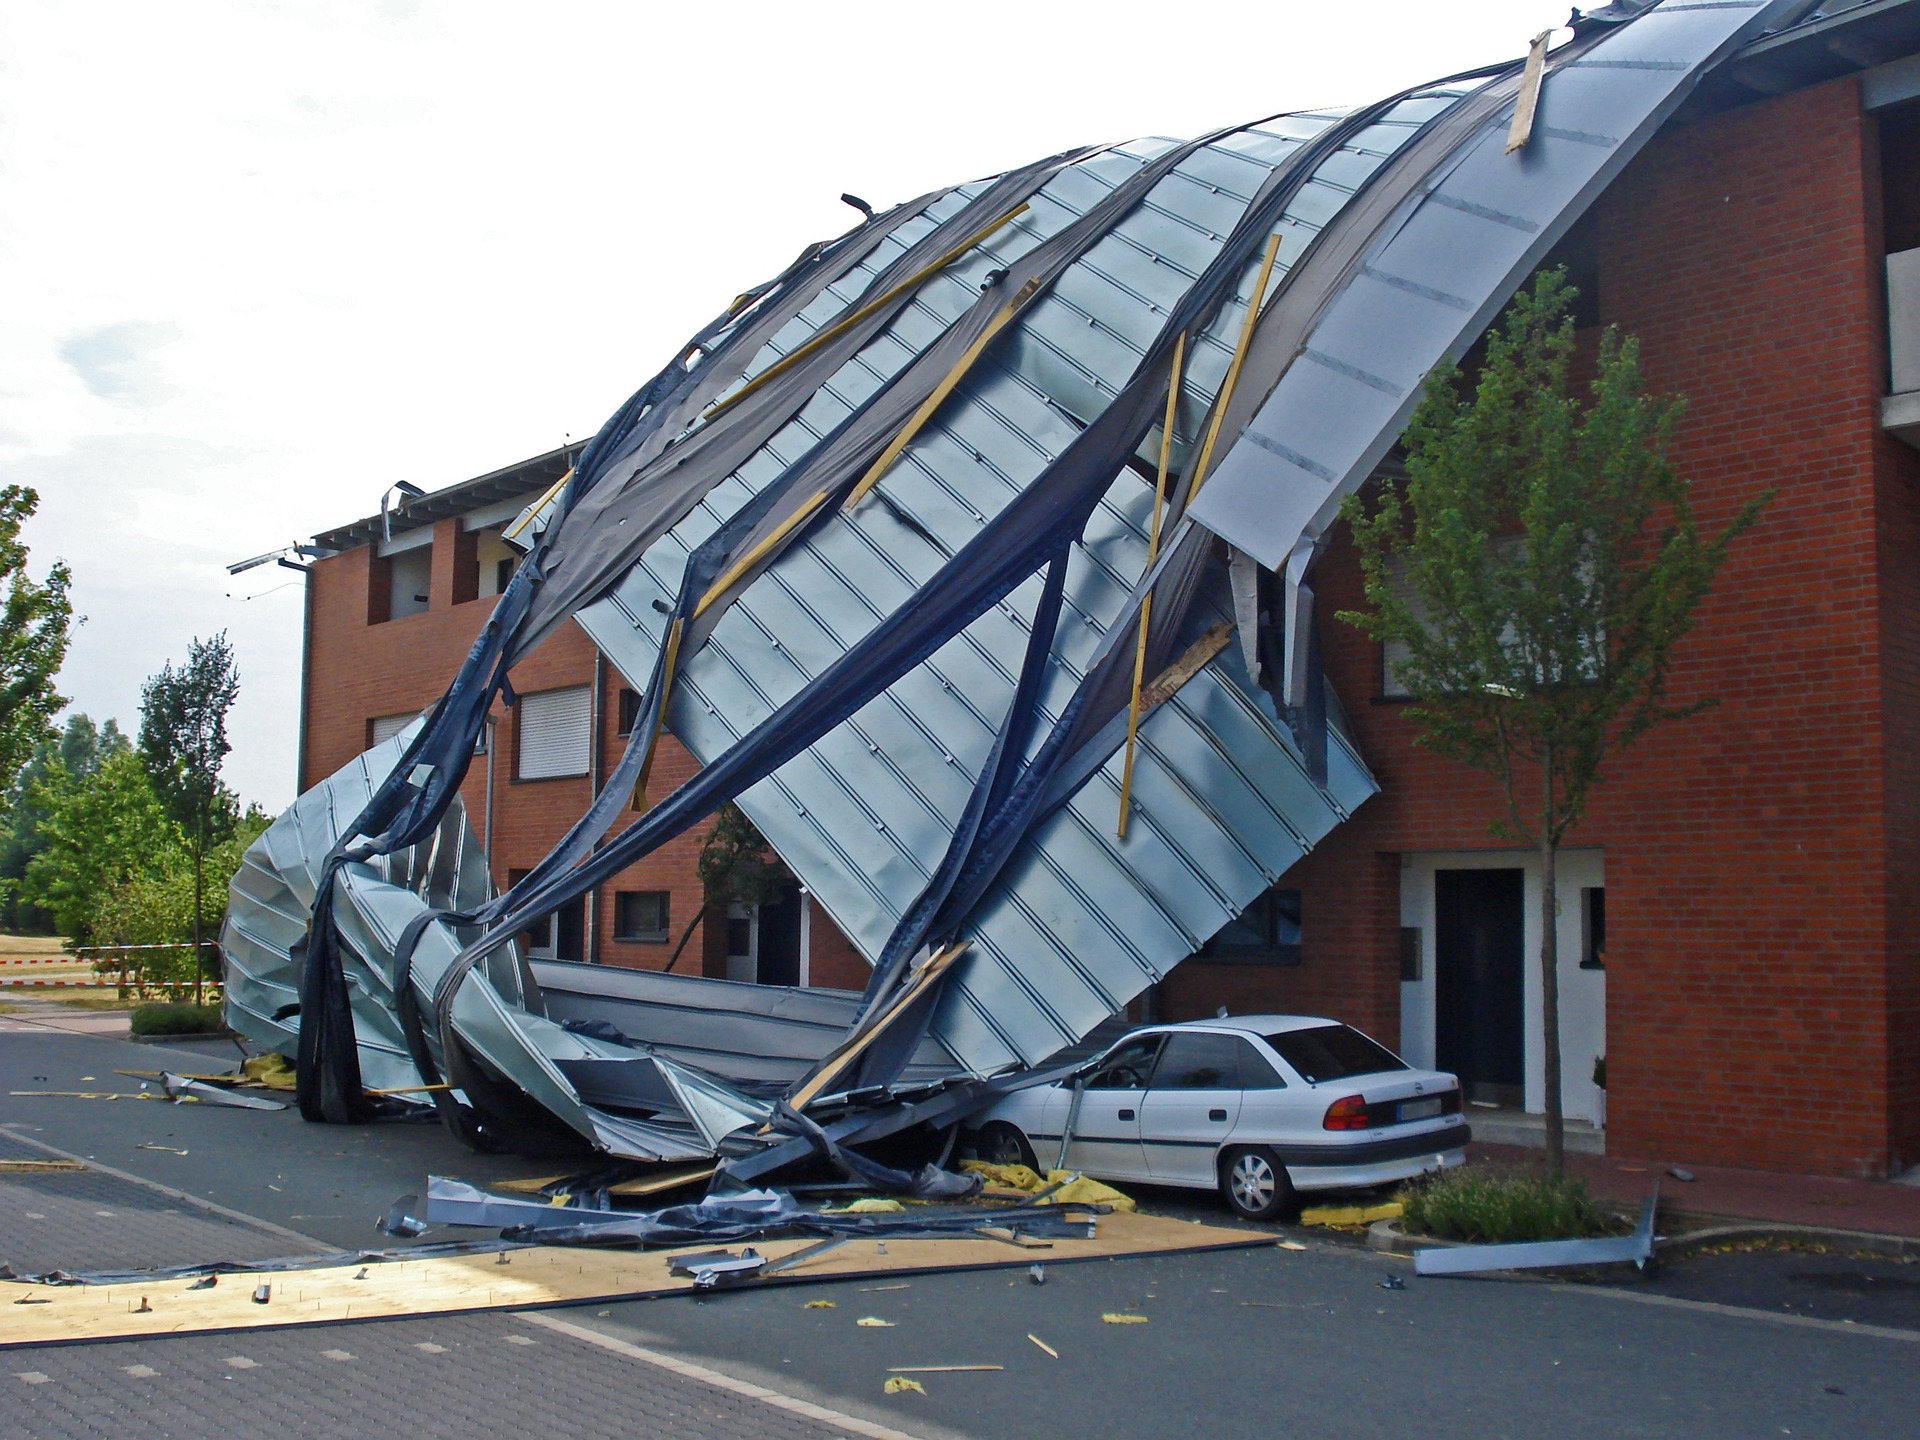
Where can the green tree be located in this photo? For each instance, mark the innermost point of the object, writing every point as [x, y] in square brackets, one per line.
[35, 621]
[1538, 565]
[80, 746]
[183, 740]
[96, 834]
[736, 867]
[155, 907]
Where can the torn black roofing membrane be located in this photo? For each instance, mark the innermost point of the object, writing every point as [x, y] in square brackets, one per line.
[922, 548]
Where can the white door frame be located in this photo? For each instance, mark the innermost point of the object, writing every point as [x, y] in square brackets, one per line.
[1583, 993]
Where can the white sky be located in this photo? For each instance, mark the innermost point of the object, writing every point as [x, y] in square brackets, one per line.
[261, 260]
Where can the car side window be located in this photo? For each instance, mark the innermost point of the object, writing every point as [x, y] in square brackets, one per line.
[1128, 1067]
[1256, 1071]
[1198, 1062]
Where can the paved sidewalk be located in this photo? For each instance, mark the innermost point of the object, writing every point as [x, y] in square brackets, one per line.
[1874, 1206]
[460, 1377]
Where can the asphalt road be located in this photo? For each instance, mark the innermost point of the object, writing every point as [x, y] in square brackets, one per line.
[1263, 1341]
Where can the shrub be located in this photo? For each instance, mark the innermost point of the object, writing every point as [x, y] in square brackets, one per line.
[1493, 1206]
[178, 1020]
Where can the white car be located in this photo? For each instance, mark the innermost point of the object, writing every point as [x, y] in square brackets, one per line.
[1259, 1106]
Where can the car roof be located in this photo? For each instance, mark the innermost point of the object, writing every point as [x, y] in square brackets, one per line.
[1247, 1024]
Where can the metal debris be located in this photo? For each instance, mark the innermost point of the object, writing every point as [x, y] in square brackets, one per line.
[1544, 1254]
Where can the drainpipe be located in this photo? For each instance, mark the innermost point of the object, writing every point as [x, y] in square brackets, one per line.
[806, 937]
[306, 684]
[596, 719]
[486, 834]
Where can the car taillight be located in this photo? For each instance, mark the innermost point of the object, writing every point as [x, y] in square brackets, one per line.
[1450, 1103]
[1347, 1113]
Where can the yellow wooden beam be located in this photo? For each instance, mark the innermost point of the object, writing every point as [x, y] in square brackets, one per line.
[851, 1050]
[847, 322]
[1233, 370]
[527, 516]
[934, 401]
[753, 557]
[1146, 600]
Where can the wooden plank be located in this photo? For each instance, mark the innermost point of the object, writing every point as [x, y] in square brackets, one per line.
[531, 1278]
[850, 1049]
[1524, 107]
[1190, 663]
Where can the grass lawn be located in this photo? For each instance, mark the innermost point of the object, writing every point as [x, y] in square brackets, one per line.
[31, 946]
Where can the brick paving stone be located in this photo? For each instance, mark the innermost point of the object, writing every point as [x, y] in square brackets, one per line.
[82, 1220]
[466, 1381]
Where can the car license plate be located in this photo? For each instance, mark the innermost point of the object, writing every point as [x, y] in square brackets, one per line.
[1419, 1109]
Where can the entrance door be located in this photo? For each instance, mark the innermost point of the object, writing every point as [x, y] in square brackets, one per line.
[779, 948]
[1479, 965]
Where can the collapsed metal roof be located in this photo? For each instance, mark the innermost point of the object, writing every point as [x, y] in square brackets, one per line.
[884, 547]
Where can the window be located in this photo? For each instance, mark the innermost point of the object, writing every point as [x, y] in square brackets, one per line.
[382, 728]
[640, 915]
[562, 935]
[1198, 1062]
[1333, 1052]
[1593, 928]
[629, 710]
[1256, 1071]
[554, 734]
[410, 572]
[1507, 550]
[1266, 933]
[494, 562]
[1128, 1067]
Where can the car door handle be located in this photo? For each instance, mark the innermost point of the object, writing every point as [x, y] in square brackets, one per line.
[1216, 1114]
[1126, 1114]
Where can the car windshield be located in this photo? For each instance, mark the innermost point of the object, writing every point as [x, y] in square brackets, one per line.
[1333, 1052]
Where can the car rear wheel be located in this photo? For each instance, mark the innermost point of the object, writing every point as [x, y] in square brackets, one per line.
[1003, 1144]
[1254, 1183]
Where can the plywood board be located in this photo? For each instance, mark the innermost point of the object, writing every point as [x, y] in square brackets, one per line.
[533, 1277]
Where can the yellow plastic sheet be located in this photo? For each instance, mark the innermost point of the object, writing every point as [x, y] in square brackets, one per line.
[273, 1071]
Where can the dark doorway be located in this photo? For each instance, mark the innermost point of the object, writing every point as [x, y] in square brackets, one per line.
[780, 939]
[1479, 964]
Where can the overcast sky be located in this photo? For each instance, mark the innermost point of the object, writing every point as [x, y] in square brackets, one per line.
[262, 260]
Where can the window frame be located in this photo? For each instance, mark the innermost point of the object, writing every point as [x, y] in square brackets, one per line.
[657, 936]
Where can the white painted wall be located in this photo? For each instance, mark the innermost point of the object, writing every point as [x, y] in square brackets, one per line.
[1583, 993]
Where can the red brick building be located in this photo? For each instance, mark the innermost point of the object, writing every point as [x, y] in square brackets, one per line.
[1740, 911]
[389, 619]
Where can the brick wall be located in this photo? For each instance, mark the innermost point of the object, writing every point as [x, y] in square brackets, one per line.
[1760, 856]
[358, 670]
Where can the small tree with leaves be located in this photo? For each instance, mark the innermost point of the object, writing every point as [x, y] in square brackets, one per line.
[36, 619]
[183, 742]
[1537, 567]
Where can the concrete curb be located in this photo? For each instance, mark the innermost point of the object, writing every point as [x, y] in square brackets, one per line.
[1389, 1238]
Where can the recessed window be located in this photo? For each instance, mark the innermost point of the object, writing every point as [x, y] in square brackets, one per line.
[629, 710]
[1266, 933]
[382, 728]
[640, 915]
[1593, 928]
[554, 729]
[409, 574]
[562, 935]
